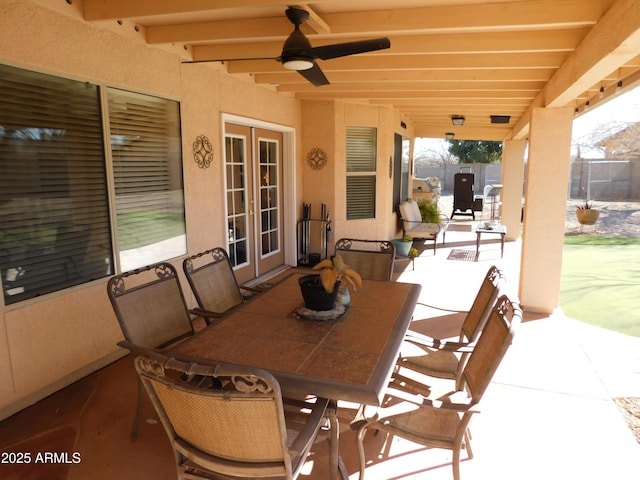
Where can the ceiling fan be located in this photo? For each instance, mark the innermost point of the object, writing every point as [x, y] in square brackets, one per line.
[298, 54]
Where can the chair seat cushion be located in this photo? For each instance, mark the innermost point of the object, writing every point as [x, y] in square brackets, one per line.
[432, 362]
[424, 230]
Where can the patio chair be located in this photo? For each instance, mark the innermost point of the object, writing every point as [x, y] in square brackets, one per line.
[151, 310]
[234, 423]
[372, 259]
[437, 417]
[446, 359]
[210, 276]
[413, 226]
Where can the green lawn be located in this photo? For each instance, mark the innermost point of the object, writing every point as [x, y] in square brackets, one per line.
[600, 282]
[138, 229]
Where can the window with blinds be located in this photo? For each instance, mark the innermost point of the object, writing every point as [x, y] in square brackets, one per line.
[54, 215]
[361, 172]
[55, 218]
[147, 170]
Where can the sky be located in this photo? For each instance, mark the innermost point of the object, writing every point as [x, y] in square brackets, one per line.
[624, 108]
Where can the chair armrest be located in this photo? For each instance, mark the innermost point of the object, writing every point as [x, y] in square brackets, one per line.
[201, 312]
[417, 222]
[138, 350]
[252, 289]
[457, 401]
[441, 308]
[437, 344]
[314, 421]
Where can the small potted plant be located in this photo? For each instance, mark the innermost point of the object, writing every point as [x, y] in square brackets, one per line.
[587, 215]
[403, 245]
[320, 290]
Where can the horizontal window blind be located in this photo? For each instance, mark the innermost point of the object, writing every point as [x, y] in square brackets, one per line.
[361, 172]
[147, 167]
[54, 217]
[361, 149]
[361, 195]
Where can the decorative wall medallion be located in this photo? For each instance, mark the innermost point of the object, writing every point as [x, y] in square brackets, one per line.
[202, 151]
[317, 158]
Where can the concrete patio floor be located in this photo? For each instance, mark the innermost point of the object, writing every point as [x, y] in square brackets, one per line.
[547, 414]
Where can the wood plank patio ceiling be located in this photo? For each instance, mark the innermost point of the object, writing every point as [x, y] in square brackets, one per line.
[474, 58]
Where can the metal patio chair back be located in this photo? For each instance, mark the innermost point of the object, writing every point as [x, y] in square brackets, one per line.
[372, 259]
[232, 423]
[214, 285]
[439, 417]
[151, 310]
[446, 359]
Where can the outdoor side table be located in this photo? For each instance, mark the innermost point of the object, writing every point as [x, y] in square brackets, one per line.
[495, 229]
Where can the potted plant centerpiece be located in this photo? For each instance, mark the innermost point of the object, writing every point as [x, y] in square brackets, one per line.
[319, 291]
[587, 215]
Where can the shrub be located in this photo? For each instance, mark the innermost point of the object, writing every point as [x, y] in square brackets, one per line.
[429, 211]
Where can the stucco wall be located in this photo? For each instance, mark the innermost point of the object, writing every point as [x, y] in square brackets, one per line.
[325, 126]
[50, 342]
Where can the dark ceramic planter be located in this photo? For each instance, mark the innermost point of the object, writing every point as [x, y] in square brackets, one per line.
[314, 295]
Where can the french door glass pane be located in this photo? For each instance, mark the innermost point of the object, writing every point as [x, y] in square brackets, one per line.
[236, 199]
[269, 225]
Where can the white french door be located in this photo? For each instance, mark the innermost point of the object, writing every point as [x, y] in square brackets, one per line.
[254, 193]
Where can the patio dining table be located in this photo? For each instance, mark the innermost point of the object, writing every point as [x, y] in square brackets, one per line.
[350, 358]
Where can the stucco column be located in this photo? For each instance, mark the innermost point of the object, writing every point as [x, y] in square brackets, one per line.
[512, 178]
[545, 207]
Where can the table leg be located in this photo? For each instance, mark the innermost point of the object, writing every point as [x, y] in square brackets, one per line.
[337, 466]
[477, 244]
[502, 245]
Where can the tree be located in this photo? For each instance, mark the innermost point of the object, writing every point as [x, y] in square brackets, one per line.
[476, 151]
[614, 139]
[435, 153]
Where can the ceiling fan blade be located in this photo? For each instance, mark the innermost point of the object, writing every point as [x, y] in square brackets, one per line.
[315, 75]
[336, 50]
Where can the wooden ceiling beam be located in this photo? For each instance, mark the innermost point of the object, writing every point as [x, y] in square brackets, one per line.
[612, 43]
[415, 62]
[273, 28]
[450, 86]
[417, 95]
[477, 17]
[498, 102]
[497, 134]
[315, 22]
[471, 110]
[487, 75]
[96, 10]
[497, 42]
[491, 17]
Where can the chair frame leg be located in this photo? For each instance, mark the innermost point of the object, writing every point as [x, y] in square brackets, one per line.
[136, 420]
[360, 433]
